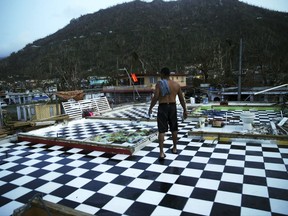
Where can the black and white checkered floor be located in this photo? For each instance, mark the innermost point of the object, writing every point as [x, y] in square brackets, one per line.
[235, 178]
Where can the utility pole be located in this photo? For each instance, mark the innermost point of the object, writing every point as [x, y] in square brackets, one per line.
[240, 70]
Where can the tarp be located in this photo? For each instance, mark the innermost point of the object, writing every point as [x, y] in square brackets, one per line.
[76, 95]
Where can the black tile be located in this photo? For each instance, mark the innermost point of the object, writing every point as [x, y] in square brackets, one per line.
[277, 174]
[257, 165]
[235, 170]
[195, 165]
[122, 180]
[68, 203]
[173, 170]
[63, 191]
[211, 175]
[267, 149]
[203, 194]
[17, 168]
[203, 154]
[141, 166]
[160, 187]
[236, 157]
[273, 160]
[94, 185]
[277, 193]
[35, 183]
[39, 173]
[254, 153]
[4, 201]
[117, 170]
[230, 187]
[255, 202]
[98, 200]
[174, 202]
[184, 180]
[91, 174]
[130, 193]
[222, 209]
[256, 180]
[6, 188]
[64, 169]
[149, 175]
[64, 179]
[217, 161]
[11, 177]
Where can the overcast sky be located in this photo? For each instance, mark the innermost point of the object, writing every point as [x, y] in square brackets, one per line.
[24, 21]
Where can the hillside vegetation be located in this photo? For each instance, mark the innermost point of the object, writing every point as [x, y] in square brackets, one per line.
[191, 36]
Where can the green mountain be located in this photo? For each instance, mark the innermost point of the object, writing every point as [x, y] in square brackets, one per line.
[192, 36]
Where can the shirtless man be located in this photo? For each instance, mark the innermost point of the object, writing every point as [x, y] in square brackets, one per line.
[165, 92]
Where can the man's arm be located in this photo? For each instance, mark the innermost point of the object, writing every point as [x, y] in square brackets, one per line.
[155, 98]
[183, 104]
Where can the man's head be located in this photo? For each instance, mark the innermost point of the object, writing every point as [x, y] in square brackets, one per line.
[165, 71]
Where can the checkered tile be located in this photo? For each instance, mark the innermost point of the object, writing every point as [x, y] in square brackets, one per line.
[204, 178]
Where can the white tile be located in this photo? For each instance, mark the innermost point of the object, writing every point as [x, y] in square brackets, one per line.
[250, 211]
[254, 172]
[255, 190]
[235, 163]
[9, 208]
[192, 172]
[219, 155]
[87, 209]
[181, 190]
[231, 177]
[125, 164]
[160, 210]
[156, 168]
[197, 159]
[188, 153]
[48, 187]
[54, 159]
[22, 180]
[106, 177]
[168, 178]
[27, 170]
[76, 163]
[272, 154]
[197, 206]
[276, 167]
[111, 189]
[51, 176]
[254, 158]
[51, 198]
[207, 184]
[214, 167]
[131, 172]
[102, 168]
[80, 195]
[151, 197]
[177, 163]
[279, 206]
[52, 166]
[7, 166]
[228, 198]
[149, 160]
[77, 172]
[78, 182]
[16, 193]
[31, 162]
[118, 205]
[141, 183]
[277, 183]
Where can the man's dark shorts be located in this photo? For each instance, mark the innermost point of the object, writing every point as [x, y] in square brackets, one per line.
[167, 115]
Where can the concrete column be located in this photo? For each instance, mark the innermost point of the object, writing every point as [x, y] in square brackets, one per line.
[19, 113]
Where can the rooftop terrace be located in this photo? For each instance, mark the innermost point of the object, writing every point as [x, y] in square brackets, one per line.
[238, 176]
